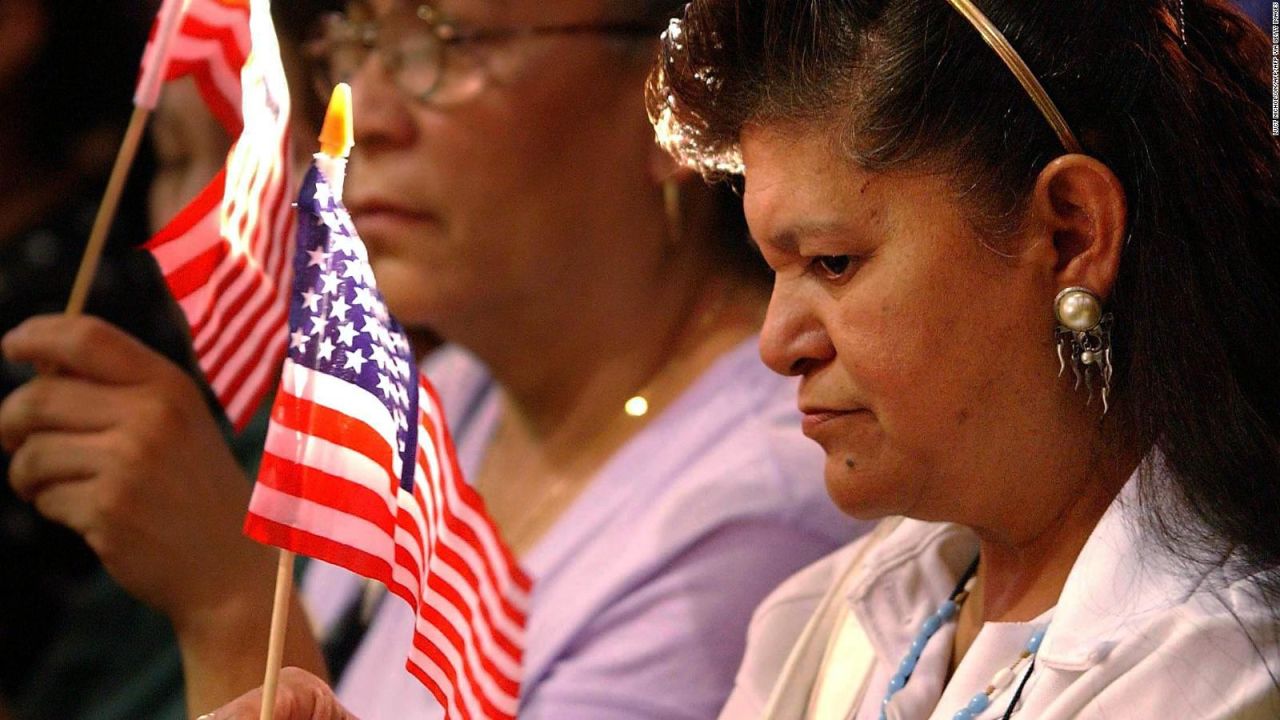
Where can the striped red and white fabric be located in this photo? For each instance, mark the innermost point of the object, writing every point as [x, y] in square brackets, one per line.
[209, 44]
[359, 470]
[225, 256]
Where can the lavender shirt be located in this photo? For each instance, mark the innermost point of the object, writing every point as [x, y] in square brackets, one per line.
[644, 587]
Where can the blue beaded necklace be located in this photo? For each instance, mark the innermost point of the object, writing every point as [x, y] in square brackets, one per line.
[982, 700]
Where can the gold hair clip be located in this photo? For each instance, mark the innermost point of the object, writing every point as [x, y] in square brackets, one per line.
[1018, 66]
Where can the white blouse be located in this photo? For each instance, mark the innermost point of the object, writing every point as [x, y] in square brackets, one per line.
[1131, 637]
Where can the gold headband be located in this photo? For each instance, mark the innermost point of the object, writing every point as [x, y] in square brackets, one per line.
[1018, 67]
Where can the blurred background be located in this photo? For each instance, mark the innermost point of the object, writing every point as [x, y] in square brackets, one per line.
[1260, 11]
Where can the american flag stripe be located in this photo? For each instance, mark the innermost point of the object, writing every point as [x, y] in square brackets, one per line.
[430, 673]
[225, 256]
[468, 534]
[229, 285]
[347, 443]
[477, 686]
[249, 177]
[502, 621]
[498, 607]
[360, 470]
[362, 457]
[451, 584]
[307, 429]
[167, 244]
[455, 610]
[490, 666]
[468, 698]
[287, 533]
[497, 554]
[279, 254]
[355, 500]
[244, 391]
[210, 46]
[458, 554]
[242, 327]
[243, 400]
[229, 324]
[218, 87]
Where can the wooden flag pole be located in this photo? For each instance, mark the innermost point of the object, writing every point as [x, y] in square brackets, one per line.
[107, 211]
[279, 623]
[336, 139]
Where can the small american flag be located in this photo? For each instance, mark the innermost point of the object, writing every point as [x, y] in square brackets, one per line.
[225, 255]
[360, 471]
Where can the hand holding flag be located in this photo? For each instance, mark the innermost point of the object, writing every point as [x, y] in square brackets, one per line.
[301, 696]
[134, 462]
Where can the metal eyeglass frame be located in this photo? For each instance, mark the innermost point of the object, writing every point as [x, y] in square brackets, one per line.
[446, 33]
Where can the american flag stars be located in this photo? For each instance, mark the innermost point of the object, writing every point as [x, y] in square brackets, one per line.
[339, 308]
[298, 340]
[338, 323]
[329, 282]
[347, 334]
[311, 300]
[356, 360]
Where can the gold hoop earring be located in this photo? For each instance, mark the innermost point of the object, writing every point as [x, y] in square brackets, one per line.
[674, 213]
[1084, 332]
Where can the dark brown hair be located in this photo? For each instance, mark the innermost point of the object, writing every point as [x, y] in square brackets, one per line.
[1182, 121]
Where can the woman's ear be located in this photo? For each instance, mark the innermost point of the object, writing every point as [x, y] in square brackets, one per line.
[1081, 206]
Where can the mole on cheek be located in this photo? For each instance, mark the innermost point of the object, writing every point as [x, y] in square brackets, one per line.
[848, 462]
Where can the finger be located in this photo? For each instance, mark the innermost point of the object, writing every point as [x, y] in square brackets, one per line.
[299, 696]
[47, 459]
[57, 403]
[85, 346]
[245, 707]
[66, 503]
[309, 697]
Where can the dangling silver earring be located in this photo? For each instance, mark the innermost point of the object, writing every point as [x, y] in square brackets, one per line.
[1084, 333]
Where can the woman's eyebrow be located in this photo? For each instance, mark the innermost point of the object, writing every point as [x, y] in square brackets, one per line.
[788, 239]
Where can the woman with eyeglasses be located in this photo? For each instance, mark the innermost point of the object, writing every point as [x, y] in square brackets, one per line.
[602, 379]
[1025, 269]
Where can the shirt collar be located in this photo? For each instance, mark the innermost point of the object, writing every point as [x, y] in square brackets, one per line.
[1113, 590]
[905, 578]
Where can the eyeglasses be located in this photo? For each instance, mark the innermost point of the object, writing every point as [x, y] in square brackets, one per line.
[421, 47]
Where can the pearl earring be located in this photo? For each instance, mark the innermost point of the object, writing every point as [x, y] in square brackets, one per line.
[1084, 332]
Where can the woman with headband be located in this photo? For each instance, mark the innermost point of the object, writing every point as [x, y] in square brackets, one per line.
[1023, 272]
[1027, 270]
